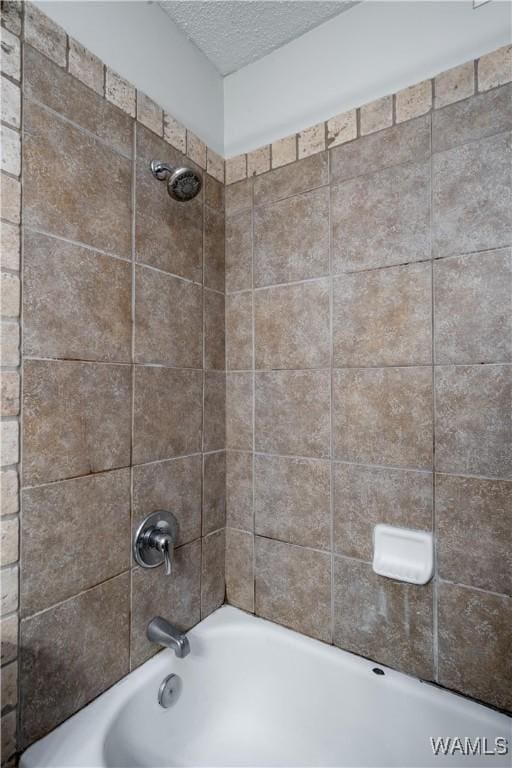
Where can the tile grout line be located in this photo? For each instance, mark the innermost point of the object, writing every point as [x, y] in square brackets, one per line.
[253, 407]
[435, 628]
[133, 370]
[331, 403]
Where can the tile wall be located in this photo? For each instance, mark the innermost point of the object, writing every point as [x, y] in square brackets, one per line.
[369, 343]
[123, 382]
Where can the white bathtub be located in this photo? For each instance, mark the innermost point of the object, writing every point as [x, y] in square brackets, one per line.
[256, 694]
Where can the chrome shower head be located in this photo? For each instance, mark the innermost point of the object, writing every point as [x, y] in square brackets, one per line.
[183, 183]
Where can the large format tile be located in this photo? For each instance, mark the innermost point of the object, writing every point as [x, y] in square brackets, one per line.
[239, 251]
[59, 557]
[292, 326]
[406, 143]
[472, 196]
[482, 115]
[79, 173]
[367, 496]
[167, 413]
[51, 85]
[381, 219]
[213, 584]
[291, 239]
[298, 177]
[239, 474]
[293, 412]
[240, 569]
[239, 411]
[176, 598]
[383, 416]
[386, 620]
[474, 644]
[168, 320]
[474, 420]
[474, 532]
[76, 303]
[174, 485]
[168, 234]
[292, 500]
[239, 196]
[70, 654]
[293, 587]
[214, 429]
[77, 419]
[239, 353]
[214, 492]
[479, 286]
[383, 317]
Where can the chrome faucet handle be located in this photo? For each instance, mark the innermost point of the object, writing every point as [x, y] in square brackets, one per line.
[164, 543]
[154, 540]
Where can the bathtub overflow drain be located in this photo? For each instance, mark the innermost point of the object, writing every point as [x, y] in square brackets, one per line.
[169, 691]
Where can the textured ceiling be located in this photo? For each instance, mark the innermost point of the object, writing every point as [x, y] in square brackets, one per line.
[233, 33]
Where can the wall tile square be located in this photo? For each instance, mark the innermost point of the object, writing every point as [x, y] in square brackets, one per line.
[213, 585]
[474, 643]
[11, 198]
[11, 53]
[74, 509]
[12, 15]
[293, 587]
[239, 196]
[70, 654]
[367, 496]
[239, 411]
[292, 500]
[9, 492]
[214, 194]
[214, 430]
[168, 319]
[474, 420]
[175, 133]
[10, 343]
[383, 317]
[9, 638]
[9, 590]
[120, 92]
[472, 197]
[10, 254]
[214, 331]
[49, 84]
[407, 143]
[10, 150]
[385, 620]
[239, 474]
[196, 149]
[10, 292]
[9, 393]
[9, 540]
[9, 434]
[214, 492]
[181, 596]
[167, 413]
[383, 416]
[238, 251]
[342, 128]
[293, 413]
[413, 101]
[174, 485]
[474, 532]
[292, 326]
[76, 419]
[381, 219]
[480, 287]
[168, 235]
[240, 569]
[304, 175]
[239, 353]
[149, 113]
[52, 199]
[291, 239]
[311, 140]
[258, 161]
[76, 302]
[11, 103]
[215, 165]
[236, 168]
[495, 68]
[284, 151]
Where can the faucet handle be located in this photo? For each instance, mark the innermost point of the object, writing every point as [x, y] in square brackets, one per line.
[154, 540]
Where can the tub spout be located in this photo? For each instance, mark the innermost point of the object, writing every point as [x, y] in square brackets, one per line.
[161, 632]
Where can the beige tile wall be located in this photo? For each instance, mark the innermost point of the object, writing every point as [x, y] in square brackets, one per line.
[122, 303]
[369, 330]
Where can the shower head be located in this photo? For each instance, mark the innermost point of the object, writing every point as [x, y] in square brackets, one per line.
[183, 183]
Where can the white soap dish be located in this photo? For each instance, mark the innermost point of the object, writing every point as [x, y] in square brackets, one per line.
[403, 554]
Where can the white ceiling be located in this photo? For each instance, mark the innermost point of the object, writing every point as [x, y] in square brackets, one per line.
[233, 33]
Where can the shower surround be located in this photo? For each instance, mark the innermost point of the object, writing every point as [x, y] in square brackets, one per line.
[368, 329]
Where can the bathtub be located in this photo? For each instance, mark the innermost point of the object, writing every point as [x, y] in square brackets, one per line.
[256, 694]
